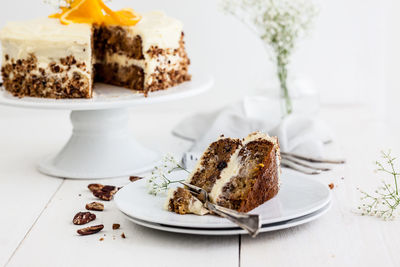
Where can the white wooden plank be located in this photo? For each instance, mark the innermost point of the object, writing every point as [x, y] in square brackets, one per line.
[340, 238]
[25, 192]
[54, 242]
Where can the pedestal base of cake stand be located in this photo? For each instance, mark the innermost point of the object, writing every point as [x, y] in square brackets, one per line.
[101, 146]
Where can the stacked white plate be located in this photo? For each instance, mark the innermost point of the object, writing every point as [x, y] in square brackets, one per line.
[300, 200]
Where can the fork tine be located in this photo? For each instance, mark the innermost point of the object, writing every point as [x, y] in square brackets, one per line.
[200, 193]
[303, 164]
[310, 159]
[193, 187]
[290, 165]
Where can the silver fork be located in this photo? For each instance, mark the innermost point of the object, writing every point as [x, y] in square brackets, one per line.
[249, 222]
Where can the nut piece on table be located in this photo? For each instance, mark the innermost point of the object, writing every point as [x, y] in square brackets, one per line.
[106, 192]
[95, 187]
[95, 206]
[83, 218]
[90, 230]
[135, 178]
[116, 226]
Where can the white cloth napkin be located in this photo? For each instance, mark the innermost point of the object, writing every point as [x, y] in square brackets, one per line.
[301, 134]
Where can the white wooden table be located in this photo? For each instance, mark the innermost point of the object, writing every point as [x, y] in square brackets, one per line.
[36, 210]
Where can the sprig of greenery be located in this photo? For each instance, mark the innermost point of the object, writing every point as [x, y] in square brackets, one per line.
[385, 200]
[159, 182]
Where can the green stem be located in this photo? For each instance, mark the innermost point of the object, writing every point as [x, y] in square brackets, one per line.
[393, 172]
[282, 75]
[182, 168]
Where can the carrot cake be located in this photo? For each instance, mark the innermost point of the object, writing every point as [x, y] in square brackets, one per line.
[238, 174]
[64, 55]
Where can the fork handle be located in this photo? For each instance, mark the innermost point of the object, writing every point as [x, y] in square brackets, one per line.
[249, 222]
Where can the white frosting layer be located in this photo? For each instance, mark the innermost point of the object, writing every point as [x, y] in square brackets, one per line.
[157, 29]
[232, 169]
[47, 39]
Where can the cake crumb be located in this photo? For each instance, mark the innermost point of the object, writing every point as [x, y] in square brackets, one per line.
[116, 226]
[123, 235]
[101, 239]
[331, 186]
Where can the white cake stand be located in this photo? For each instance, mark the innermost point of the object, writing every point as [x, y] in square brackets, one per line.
[101, 145]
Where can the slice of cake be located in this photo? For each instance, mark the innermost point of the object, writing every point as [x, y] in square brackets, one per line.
[237, 174]
[62, 56]
[251, 176]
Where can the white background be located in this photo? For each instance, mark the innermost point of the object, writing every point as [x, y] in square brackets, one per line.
[350, 57]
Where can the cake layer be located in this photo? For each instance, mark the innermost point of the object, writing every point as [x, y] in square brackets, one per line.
[129, 76]
[61, 78]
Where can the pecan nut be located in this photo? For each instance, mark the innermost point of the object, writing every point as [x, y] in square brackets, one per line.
[106, 192]
[135, 178]
[83, 218]
[90, 230]
[116, 226]
[95, 187]
[95, 206]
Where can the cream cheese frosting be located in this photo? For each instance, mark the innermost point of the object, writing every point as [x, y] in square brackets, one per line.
[157, 29]
[47, 39]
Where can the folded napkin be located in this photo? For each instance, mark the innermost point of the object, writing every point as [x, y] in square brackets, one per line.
[301, 134]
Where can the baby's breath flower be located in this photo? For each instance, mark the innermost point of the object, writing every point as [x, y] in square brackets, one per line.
[159, 181]
[385, 201]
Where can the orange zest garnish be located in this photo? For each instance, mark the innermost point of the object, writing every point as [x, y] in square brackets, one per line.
[95, 12]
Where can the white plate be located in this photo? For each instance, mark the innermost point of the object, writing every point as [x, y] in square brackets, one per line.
[234, 231]
[107, 96]
[298, 196]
